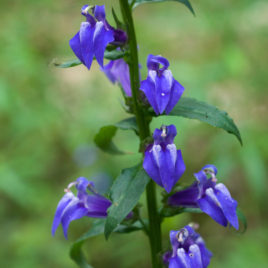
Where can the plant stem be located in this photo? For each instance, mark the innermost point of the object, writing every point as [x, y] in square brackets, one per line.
[133, 63]
[144, 132]
[154, 224]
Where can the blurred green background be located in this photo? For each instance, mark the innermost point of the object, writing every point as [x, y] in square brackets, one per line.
[49, 117]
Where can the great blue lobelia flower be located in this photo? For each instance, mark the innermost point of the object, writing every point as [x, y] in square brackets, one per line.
[118, 71]
[188, 250]
[73, 207]
[211, 197]
[162, 161]
[161, 89]
[94, 36]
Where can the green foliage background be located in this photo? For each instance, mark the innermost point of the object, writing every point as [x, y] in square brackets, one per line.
[49, 117]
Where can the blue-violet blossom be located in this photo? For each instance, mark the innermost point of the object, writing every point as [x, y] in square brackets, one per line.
[160, 88]
[73, 207]
[211, 197]
[188, 250]
[118, 71]
[94, 36]
[162, 161]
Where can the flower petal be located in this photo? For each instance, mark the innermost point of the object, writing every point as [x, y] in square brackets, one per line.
[150, 164]
[153, 62]
[86, 41]
[108, 69]
[118, 70]
[66, 199]
[176, 92]
[174, 242]
[205, 253]
[228, 204]
[173, 263]
[183, 259]
[101, 39]
[163, 85]
[195, 257]
[211, 167]
[179, 166]
[187, 197]
[76, 47]
[211, 206]
[97, 206]
[167, 161]
[201, 176]
[72, 212]
[99, 12]
[148, 87]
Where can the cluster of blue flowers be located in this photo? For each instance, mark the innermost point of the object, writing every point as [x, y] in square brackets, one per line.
[162, 161]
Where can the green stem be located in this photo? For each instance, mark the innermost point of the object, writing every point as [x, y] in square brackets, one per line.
[144, 132]
[133, 63]
[155, 225]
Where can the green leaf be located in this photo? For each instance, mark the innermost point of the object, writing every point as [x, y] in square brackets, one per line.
[114, 54]
[76, 253]
[104, 140]
[119, 24]
[170, 211]
[242, 219]
[185, 2]
[125, 194]
[110, 55]
[125, 229]
[194, 109]
[104, 137]
[129, 123]
[68, 64]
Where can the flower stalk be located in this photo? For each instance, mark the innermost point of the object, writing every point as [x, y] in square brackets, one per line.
[144, 132]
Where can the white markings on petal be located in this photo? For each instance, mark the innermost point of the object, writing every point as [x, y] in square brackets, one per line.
[156, 151]
[211, 194]
[222, 188]
[73, 202]
[99, 25]
[173, 152]
[195, 253]
[182, 256]
[152, 74]
[169, 77]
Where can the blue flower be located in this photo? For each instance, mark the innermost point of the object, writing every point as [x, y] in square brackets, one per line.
[211, 197]
[162, 161]
[118, 71]
[161, 89]
[94, 36]
[73, 207]
[188, 250]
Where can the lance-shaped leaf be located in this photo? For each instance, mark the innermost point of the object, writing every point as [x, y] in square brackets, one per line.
[194, 109]
[243, 219]
[170, 211]
[76, 253]
[125, 194]
[104, 138]
[110, 55]
[139, 2]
